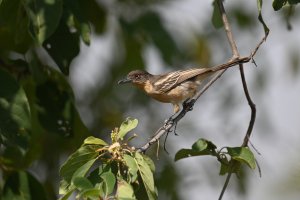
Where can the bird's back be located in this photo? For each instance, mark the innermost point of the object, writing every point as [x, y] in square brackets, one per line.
[168, 81]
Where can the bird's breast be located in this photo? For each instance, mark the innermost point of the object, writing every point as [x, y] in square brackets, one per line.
[177, 94]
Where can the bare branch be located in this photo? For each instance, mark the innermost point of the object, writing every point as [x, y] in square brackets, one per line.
[227, 28]
[235, 54]
[252, 107]
[169, 124]
[187, 106]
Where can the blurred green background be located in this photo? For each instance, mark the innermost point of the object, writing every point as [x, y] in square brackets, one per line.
[60, 61]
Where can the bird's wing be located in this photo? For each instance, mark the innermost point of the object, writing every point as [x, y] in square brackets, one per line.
[168, 81]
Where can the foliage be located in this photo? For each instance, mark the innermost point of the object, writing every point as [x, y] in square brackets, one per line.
[236, 155]
[99, 170]
[39, 123]
[37, 109]
[22, 185]
[278, 4]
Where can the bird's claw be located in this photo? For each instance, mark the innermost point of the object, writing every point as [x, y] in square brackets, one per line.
[188, 104]
[170, 120]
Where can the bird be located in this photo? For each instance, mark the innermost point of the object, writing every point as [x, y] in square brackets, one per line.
[173, 87]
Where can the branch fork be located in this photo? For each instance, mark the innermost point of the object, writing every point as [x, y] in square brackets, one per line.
[188, 105]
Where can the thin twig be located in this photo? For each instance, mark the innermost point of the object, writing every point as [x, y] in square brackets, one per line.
[252, 107]
[221, 72]
[169, 124]
[163, 130]
[226, 182]
[235, 54]
[227, 28]
[235, 60]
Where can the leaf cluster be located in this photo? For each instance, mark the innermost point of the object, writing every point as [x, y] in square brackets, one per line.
[37, 110]
[98, 170]
[278, 4]
[230, 158]
[55, 25]
[38, 120]
[108, 171]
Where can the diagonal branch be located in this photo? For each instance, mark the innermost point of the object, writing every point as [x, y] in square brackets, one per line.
[227, 28]
[187, 106]
[235, 54]
[169, 124]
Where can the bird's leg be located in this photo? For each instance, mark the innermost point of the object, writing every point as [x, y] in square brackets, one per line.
[170, 119]
[175, 127]
[188, 104]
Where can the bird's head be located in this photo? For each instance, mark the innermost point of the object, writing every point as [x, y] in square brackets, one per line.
[138, 77]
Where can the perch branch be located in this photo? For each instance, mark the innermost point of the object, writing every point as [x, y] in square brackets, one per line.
[235, 60]
[235, 54]
[168, 125]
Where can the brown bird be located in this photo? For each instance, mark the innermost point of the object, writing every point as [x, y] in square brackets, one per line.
[173, 87]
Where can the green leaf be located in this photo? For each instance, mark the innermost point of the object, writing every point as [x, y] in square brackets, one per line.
[243, 155]
[199, 148]
[52, 102]
[132, 167]
[124, 191]
[146, 175]
[76, 172]
[94, 176]
[147, 29]
[66, 195]
[216, 16]
[85, 32]
[186, 153]
[14, 33]
[91, 194]
[260, 18]
[15, 118]
[224, 166]
[63, 45]
[79, 163]
[22, 185]
[202, 144]
[293, 2]
[127, 126]
[109, 181]
[65, 190]
[44, 17]
[224, 169]
[278, 4]
[133, 48]
[94, 140]
[82, 183]
[15, 121]
[78, 20]
[152, 25]
[150, 162]
[55, 99]
[95, 13]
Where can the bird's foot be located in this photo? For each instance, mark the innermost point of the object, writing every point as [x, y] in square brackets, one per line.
[188, 104]
[174, 130]
[170, 121]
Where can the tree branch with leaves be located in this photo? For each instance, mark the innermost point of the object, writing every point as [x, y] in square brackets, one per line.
[39, 121]
[230, 158]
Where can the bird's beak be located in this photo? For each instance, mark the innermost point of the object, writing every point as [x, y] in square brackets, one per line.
[123, 81]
